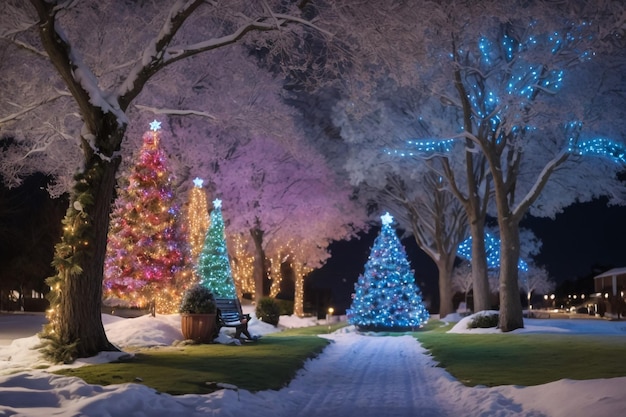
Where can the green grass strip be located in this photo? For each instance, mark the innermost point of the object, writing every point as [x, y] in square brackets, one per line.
[273, 361]
[270, 363]
[524, 359]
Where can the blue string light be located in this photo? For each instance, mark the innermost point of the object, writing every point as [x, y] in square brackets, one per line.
[492, 247]
[423, 147]
[602, 147]
[386, 296]
[526, 80]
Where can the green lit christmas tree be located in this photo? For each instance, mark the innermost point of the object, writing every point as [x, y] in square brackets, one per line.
[213, 268]
[386, 297]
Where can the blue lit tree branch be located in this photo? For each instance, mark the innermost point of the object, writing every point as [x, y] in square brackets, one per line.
[601, 147]
[493, 252]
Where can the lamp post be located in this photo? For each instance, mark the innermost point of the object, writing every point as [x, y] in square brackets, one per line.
[328, 315]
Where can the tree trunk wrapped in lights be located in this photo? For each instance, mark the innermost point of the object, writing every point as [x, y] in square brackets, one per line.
[241, 264]
[300, 271]
[275, 273]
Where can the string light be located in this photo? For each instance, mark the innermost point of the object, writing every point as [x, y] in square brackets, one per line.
[242, 264]
[602, 147]
[275, 272]
[292, 253]
[146, 255]
[525, 80]
[422, 147]
[492, 248]
[197, 219]
[386, 296]
[300, 271]
[213, 267]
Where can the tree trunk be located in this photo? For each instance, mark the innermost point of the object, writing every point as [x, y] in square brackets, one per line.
[511, 316]
[445, 266]
[79, 261]
[480, 280]
[259, 272]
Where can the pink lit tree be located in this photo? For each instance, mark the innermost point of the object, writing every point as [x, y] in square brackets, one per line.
[286, 193]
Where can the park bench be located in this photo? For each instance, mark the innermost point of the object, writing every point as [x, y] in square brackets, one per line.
[229, 314]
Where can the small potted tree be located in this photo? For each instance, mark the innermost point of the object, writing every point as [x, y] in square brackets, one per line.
[198, 314]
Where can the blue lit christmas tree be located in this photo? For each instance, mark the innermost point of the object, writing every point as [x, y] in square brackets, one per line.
[386, 296]
[213, 267]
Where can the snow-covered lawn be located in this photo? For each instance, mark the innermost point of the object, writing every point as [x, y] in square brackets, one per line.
[357, 375]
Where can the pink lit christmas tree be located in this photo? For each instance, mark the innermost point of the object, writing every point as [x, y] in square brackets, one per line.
[145, 249]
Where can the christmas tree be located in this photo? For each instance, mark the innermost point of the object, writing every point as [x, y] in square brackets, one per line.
[213, 267]
[145, 249]
[197, 219]
[386, 296]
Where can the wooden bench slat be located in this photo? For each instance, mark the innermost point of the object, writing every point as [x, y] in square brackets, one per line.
[230, 312]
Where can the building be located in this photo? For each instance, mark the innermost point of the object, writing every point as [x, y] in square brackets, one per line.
[610, 287]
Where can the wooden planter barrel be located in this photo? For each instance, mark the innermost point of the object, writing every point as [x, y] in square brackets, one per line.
[198, 327]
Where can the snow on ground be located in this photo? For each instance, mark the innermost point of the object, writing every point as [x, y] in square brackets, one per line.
[562, 326]
[357, 375]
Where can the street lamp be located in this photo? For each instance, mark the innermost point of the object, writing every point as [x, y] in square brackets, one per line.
[328, 315]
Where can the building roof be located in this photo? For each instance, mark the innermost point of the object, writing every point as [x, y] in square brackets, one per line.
[611, 272]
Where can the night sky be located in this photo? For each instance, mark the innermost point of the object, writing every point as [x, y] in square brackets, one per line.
[584, 236]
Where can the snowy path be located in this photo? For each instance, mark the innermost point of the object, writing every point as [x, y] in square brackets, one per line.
[370, 376]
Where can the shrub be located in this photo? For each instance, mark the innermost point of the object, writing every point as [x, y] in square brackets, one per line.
[268, 311]
[285, 307]
[198, 300]
[483, 321]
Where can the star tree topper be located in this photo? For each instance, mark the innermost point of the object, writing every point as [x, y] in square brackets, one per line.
[198, 182]
[217, 203]
[155, 125]
[386, 218]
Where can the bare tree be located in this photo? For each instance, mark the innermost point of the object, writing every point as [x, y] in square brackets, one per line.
[462, 279]
[535, 280]
[438, 224]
